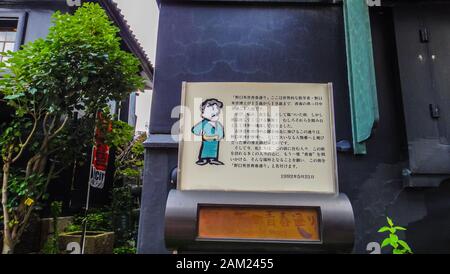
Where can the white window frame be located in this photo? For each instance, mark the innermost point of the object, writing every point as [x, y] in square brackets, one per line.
[21, 25]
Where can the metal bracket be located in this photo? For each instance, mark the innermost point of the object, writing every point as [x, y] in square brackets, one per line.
[181, 221]
[435, 111]
[424, 35]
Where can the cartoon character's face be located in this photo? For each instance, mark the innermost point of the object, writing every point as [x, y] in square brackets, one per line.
[211, 112]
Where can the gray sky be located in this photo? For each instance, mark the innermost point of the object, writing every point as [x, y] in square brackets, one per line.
[142, 16]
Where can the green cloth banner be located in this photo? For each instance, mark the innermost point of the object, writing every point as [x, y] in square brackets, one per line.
[361, 72]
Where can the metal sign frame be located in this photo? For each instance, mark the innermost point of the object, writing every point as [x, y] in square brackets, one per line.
[332, 131]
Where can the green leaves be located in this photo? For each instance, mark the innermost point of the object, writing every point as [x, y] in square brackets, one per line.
[128, 249]
[398, 246]
[129, 160]
[96, 221]
[21, 188]
[12, 133]
[391, 224]
[397, 252]
[32, 91]
[405, 246]
[14, 96]
[385, 229]
[121, 134]
[80, 62]
[56, 209]
[79, 66]
[386, 242]
[393, 238]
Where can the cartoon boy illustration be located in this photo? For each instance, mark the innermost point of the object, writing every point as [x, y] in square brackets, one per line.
[211, 131]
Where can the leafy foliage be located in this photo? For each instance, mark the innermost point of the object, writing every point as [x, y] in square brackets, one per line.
[74, 142]
[11, 135]
[126, 249]
[21, 188]
[79, 66]
[120, 134]
[130, 158]
[399, 246]
[122, 219]
[96, 221]
[52, 244]
[129, 162]
[77, 69]
[73, 228]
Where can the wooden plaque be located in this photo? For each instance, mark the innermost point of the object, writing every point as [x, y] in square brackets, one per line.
[258, 223]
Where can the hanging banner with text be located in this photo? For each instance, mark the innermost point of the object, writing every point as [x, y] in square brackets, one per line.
[100, 156]
[259, 137]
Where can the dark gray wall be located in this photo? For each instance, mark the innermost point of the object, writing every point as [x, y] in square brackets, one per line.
[425, 211]
[250, 42]
[293, 43]
[236, 43]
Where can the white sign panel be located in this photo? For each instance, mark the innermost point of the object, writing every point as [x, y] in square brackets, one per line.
[259, 137]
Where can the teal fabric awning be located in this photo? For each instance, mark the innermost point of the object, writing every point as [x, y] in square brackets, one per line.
[361, 72]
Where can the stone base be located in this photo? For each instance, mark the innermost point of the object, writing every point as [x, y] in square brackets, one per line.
[97, 242]
[47, 227]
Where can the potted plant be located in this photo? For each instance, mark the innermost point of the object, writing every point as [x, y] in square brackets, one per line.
[99, 234]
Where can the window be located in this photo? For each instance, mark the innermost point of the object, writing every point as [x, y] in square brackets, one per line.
[8, 35]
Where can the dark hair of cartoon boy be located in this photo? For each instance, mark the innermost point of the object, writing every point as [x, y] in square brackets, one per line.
[211, 102]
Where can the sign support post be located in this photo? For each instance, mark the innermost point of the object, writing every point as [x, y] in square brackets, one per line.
[258, 171]
[97, 172]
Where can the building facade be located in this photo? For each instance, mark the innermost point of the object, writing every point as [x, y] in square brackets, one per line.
[389, 68]
[22, 21]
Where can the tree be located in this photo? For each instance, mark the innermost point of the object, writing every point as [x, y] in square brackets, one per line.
[78, 68]
[129, 160]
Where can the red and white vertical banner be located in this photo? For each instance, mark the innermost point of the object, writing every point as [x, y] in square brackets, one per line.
[100, 155]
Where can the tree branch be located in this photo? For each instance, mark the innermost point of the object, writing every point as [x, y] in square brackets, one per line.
[30, 165]
[44, 123]
[60, 128]
[50, 176]
[23, 224]
[27, 141]
[52, 125]
[6, 219]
